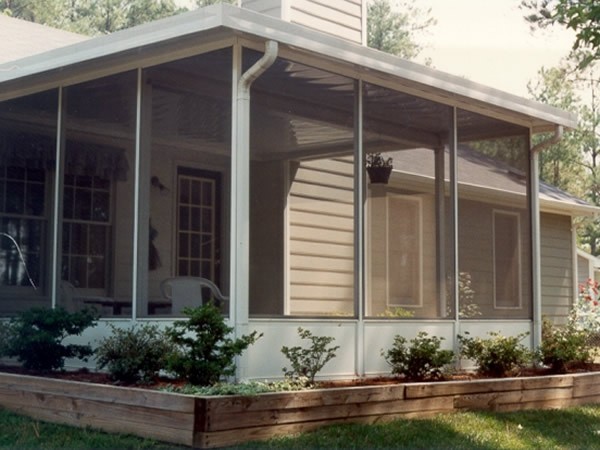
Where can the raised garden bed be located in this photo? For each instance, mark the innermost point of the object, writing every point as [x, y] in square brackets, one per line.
[206, 422]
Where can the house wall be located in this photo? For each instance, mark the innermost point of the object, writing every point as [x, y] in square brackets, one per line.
[556, 266]
[475, 250]
[341, 18]
[321, 238]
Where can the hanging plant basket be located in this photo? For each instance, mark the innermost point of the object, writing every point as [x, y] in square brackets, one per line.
[379, 175]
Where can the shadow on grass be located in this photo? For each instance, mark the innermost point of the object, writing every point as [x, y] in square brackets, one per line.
[564, 429]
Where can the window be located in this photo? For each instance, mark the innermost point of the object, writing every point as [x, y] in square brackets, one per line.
[22, 217]
[86, 231]
[404, 254]
[198, 222]
[507, 260]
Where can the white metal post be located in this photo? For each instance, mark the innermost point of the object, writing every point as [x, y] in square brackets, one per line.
[58, 191]
[536, 277]
[359, 218]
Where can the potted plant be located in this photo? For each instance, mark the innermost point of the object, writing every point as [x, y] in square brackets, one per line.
[379, 168]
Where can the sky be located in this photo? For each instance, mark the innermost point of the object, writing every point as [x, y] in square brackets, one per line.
[489, 42]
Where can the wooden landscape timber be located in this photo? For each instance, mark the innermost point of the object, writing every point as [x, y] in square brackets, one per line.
[216, 421]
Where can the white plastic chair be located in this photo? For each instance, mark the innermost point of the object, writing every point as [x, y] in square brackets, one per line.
[188, 292]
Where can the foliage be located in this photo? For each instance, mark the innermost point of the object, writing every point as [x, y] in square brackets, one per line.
[585, 312]
[4, 337]
[496, 356]
[583, 17]
[468, 308]
[90, 17]
[397, 313]
[377, 160]
[422, 359]
[563, 345]
[393, 30]
[307, 362]
[205, 351]
[135, 353]
[35, 337]
[244, 388]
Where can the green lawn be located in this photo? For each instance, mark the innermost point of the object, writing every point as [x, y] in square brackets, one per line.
[575, 428]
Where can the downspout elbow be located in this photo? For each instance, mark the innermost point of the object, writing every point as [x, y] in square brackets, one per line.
[266, 61]
[557, 136]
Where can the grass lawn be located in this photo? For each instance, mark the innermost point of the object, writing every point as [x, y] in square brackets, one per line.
[574, 428]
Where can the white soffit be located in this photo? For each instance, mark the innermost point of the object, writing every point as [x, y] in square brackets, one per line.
[34, 72]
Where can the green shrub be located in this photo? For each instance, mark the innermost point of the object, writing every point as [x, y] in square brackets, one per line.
[134, 354]
[205, 351]
[563, 346]
[35, 337]
[307, 362]
[4, 337]
[422, 359]
[497, 355]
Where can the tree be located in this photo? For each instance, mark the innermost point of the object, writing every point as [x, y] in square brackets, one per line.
[90, 16]
[582, 16]
[560, 164]
[202, 3]
[394, 31]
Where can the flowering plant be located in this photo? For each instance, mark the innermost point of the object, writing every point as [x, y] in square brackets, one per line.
[585, 314]
[377, 160]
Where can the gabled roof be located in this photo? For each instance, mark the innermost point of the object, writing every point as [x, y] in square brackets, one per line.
[21, 39]
[143, 45]
[485, 178]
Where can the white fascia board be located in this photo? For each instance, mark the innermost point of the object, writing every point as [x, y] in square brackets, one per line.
[429, 83]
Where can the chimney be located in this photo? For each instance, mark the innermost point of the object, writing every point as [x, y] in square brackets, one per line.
[341, 18]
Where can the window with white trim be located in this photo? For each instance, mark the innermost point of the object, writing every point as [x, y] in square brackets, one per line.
[404, 251]
[507, 259]
[23, 218]
[198, 224]
[87, 228]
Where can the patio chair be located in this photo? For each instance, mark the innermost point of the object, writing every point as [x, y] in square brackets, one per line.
[191, 292]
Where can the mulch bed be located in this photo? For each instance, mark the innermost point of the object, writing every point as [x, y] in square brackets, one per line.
[88, 376]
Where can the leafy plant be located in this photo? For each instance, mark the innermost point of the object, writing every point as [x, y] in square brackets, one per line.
[497, 355]
[35, 337]
[585, 313]
[377, 160]
[422, 359]
[398, 313]
[134, 354]
[563, 345]
[205, 351]
[307, 362]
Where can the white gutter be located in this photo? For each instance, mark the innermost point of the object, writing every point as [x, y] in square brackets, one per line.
[240, 213]
[558, 134]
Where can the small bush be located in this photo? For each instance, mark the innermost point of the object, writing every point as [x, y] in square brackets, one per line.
[134, 354]
[204, 351]
[563, 346]
[496, 356]
[307, 362]
[35, 337]
[422, 359]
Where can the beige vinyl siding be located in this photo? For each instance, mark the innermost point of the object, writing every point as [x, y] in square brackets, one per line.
[341, 18]
[475, 249]
[321, 238]
[556, 266]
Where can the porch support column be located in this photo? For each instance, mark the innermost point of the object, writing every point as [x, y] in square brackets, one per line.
[453, 150]
[440, 235]
[536, 277]
[58, 195]
[240, 201]
[359, 237]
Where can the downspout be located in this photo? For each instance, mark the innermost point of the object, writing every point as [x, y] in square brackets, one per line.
[535, 233]
[558, 134]
[241, 201]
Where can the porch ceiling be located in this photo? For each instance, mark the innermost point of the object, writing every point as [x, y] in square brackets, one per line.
[182, 35]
